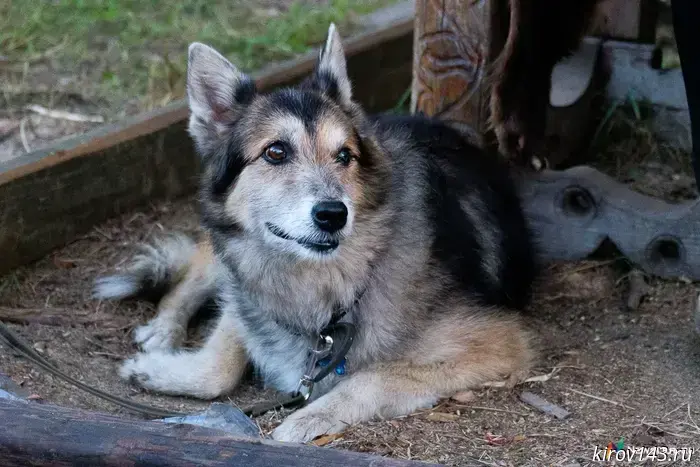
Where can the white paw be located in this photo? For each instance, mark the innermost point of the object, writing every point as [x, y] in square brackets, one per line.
[308, 423]
[146, 370]
[160, 334]
[179, 374]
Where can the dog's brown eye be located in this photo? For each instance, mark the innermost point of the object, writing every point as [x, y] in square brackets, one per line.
[344, 156]
[275, 153]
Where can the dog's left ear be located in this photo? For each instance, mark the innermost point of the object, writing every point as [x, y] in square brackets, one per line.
[217, 92]
[331, 76]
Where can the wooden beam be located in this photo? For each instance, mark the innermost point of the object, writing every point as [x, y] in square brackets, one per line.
[37, 434]
[50, 197]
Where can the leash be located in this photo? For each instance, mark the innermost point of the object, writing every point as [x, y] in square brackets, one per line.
[16, 343]
[328, 354]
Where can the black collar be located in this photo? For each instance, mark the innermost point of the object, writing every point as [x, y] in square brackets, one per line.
[339, 312]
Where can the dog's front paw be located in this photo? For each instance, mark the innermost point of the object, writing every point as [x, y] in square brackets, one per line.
[181, 373]
[160, 334]
[157, 371]
[305, 425]
[142, 370]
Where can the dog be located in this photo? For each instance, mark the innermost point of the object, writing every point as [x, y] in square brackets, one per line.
[309, 206]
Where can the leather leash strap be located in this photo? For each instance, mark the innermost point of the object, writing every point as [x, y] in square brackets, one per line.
[15, 342]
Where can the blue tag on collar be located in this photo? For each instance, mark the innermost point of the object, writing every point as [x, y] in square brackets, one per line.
[339, 369]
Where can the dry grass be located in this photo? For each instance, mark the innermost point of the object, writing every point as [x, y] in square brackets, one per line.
[626, 147]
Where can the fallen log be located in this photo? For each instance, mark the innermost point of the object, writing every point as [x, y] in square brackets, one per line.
[37, 434]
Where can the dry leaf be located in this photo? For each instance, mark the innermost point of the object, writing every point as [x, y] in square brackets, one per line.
[34, 397]
[464, 397]
[442, 417]
[495, 440]
[326, 439]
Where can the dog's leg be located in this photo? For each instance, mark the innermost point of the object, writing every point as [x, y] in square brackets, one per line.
[447, 361]
[168, 329]
[206, 373]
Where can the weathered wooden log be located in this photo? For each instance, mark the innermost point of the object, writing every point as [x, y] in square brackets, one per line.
[36, 434]
[574, 211]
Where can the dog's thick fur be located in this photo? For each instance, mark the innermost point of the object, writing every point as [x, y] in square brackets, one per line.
[434, 251]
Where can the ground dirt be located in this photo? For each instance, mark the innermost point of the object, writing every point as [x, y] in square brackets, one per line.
[631, 374]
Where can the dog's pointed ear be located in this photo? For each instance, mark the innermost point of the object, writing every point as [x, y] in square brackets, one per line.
[331, 71]
[216, 90]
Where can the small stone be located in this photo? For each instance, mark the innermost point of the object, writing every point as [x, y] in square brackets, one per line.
[40, 347]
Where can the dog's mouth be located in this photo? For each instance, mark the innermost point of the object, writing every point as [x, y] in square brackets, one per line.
[319, 245]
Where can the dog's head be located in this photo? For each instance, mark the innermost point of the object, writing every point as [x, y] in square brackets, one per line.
[296, 167]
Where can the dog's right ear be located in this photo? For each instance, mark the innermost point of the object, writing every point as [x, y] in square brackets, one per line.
[217, 92]
[331, 75]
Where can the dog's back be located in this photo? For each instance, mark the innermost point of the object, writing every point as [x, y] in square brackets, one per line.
[479, 232]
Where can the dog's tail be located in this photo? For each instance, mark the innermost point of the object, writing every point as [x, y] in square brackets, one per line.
[160, 266]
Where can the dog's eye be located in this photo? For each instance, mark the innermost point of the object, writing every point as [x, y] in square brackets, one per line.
[344, 156]
[275, 153]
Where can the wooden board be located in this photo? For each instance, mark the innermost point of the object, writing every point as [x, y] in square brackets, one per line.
[50, 197]
[35, 434]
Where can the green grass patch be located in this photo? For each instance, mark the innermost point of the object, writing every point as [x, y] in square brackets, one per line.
[136, 49]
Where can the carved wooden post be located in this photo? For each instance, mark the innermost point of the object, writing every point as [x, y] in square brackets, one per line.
[454, 41]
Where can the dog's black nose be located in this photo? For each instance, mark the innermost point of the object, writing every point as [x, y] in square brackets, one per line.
[330, 216]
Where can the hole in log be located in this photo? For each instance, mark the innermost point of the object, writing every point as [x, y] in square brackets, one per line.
[665, 249]
[577, 201]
